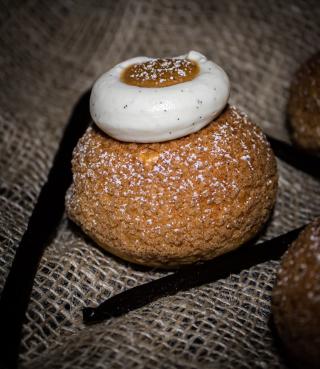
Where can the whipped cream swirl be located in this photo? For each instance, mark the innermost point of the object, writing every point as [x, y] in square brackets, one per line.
[154, 114]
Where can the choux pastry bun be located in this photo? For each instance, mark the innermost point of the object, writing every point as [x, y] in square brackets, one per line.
[176, 176]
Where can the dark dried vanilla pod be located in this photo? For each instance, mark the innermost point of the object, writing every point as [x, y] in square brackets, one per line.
[43, 222]
[301, 160]
[191, 276]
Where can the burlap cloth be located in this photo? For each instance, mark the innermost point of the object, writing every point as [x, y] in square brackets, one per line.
[51, 52]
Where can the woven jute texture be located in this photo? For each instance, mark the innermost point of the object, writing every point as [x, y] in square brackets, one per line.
[51, 52]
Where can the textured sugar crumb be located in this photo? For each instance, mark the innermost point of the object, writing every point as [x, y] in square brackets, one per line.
[139, 188]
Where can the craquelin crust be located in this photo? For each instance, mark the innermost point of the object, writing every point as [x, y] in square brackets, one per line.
[304, 105]
[175, 202]
[296, 299]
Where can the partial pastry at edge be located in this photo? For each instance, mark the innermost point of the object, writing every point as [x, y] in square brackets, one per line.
[304, 105]
[176, 201]
[296, 299]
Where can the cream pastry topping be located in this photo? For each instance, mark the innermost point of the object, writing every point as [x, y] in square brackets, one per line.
[152, 100]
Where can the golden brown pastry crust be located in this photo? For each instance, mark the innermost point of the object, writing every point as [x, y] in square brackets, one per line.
[175, 202]
[296, 299]
[304, 105]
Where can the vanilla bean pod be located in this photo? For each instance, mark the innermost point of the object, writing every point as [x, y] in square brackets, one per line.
[42, 224]
[301, 160]
[191, 276]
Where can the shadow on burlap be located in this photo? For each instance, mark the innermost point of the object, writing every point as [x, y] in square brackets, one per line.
[51, 52]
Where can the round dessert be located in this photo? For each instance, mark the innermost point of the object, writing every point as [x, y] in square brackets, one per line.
[181, 200]
[296, 299]
[178, 201]
[304, 105]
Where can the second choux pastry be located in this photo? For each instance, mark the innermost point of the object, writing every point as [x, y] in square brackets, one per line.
[304, 105]
[296, 299]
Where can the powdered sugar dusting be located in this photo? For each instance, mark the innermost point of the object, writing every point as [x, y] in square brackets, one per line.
[196, 173]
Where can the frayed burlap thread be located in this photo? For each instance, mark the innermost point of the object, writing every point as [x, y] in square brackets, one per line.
[51, 52]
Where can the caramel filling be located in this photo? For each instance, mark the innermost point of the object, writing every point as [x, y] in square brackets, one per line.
[160, 72]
